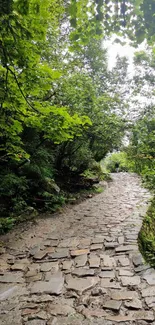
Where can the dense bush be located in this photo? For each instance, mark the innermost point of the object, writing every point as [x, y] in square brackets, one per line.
[142, 152]
[147, 235]
[117, 162]
[142, 148]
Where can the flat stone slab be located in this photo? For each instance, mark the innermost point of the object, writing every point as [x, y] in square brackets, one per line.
[107, 274]
[19, 267]
[123, 295]
[150, 301]
[36, 322]
[40, 255]
[47, 243]
[54, 286]
[107, 261]
[40, 298]
[97, 313]
[149, 276]
[124, 261]
[94, 261]
[12, 278]
[95, 247]
[34, 278]
[49, 266]
[54, 242]
[109, 239]
[49, 250]
[98, 240]
[138, 259]
[80, 260]
[81, 285]
[112, 304]
[34, 250]
[109, 245]
[142, 315]
[84, 242]
[148, 292]
[134, 304]
[53, 236]
[69, 242]
[63, 253]
[142, 268]
[59, 309]
[124, 272]
[119, 318]
[4, 266]
[125, 248]
[31, 272]
[66, 265]
[107, 283]
[79, 252]
[121, 240]
[8, 291]
[83, 272]
[130, 280]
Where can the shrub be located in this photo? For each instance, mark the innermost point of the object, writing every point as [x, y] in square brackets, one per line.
[147, 236]
[117, 162]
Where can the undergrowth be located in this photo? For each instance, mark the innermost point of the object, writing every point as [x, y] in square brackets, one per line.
[117, 162]
[146, 237]
[39, 190]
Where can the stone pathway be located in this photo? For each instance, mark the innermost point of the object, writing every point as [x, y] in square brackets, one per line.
[81, 266]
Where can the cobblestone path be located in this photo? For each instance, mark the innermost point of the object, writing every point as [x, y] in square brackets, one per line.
[81, 266]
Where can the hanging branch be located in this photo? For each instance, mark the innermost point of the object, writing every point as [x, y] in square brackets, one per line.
[21, 91]
[6, 88]
[16, 79]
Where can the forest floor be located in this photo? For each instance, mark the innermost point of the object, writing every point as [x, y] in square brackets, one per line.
[80, 266]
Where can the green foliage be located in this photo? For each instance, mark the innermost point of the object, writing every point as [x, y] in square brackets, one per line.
[142, 149]
[134, 18]
[59, 113]
[98, 190]
[27, 77]
[117, 162]
[94, 172]
[6, 224]
[12, 193]
[11, 184]
[82, 92]
[147, 236]
[52, 201]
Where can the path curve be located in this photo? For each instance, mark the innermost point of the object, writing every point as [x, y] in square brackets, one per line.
[81, 266]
